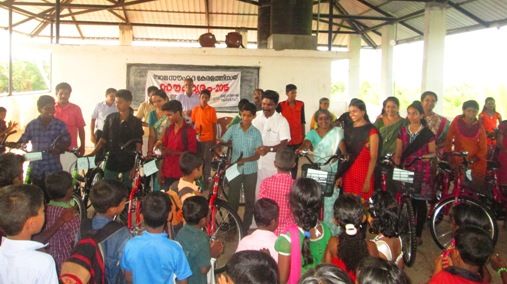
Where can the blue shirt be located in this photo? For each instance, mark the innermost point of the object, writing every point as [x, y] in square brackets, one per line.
[196, 246]
[42, 136]
[245, 142]
[154, 258]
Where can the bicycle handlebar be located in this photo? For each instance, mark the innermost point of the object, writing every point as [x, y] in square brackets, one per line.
[130, 142]
[306, 153]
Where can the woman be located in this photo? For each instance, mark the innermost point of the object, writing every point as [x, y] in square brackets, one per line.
[388, 124]
[438, 124]
[157, 121]
[490, 119]
[360, 145]
[415, 140]
[324, 141]
[467, 134]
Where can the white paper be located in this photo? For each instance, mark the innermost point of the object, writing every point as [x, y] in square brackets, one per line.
[85, 163]
[33, 156]
[150, 168]
[317, 175]
[232, 172]
[403, 175]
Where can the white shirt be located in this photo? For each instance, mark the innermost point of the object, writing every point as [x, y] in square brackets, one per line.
[101, 111]
[259, 239]
[273, 130]
[187, 102]
[20, 262]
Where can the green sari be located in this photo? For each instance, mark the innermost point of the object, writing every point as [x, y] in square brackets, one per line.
[388, 135]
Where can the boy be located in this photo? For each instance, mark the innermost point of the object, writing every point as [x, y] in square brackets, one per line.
[108, 198]
[71, 115]
[152, 257]
[237, 118]
[120, 128]
[323, 104]
[266, 217]
[278, 186]
[473, 249]
[101, 111]
[11, 169]
[204, 118]
[5, 128]
[178, 138]
[191, 168]
[245, 140]
[22, 216]
[146, 107]
[49, 135]
[195, 242]
[250, 267]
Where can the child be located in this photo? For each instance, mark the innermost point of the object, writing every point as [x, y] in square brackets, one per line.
[237, 118]
[323, 104]
[278, 187]
[473, 248]
[11, 169]
[6, 128]
[266, 218]
[108, 198]
[350, 247]
[194, 240]
[191, 168]
[377, 270]
[22, 216]
[384, 210]
[245, 140]
[152, 257]
[325, 273]
[302, 246]
[249, 267]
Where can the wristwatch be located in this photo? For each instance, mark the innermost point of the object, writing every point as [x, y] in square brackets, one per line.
[271, 149]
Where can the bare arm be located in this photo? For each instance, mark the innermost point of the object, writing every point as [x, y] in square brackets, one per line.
[397, 151]
[151, 140]
[98, 146]
[81, 140]
[283, 268]
[92, 131]
[373, 161]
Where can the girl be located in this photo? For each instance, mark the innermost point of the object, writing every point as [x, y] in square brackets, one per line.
[349, 248]
[490, 119]
[157, 121]
[438, 124]
[303, 246]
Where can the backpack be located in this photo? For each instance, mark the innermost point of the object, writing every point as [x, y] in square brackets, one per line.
[176, 204]
[86, 262]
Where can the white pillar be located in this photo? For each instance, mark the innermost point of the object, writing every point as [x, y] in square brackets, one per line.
[354, 56]
[386, 74]
[126, 34]
[434, 45]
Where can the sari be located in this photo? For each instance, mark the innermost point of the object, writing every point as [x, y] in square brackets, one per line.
[388, 135]
[439, 125]
[490, 122]
[159, 125]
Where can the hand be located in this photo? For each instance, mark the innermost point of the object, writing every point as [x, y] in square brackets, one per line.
[67, 214]
[216, 248]
[366, 186]
[339, 182]
[11, 125]
[93, 138]
[497, 261]
[262, 150]
[81, 150]
[240, 162]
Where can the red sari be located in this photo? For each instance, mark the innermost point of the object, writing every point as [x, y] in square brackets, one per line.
[502, 154]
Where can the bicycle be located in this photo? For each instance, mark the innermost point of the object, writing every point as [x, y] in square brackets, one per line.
[318, 172]
[440, 221]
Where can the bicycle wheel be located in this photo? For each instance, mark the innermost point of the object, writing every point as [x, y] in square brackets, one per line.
[406, 229]
[229, 230]
[440, 223]
[92, 177]
[79, 206]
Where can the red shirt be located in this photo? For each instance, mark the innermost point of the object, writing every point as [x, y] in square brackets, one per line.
[173, 141]
[453, 275]
[295, 115]
[71, 115]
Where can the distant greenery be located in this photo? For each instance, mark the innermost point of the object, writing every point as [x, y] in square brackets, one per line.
[26, 77]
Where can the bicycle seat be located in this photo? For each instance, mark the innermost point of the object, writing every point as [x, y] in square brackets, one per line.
[493, 165]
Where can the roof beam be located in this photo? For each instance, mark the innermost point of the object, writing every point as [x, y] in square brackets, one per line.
[325, 21]
[105, 7]
[355, 17]
[41, 14]
[206, 9]
[359, 29]
[156, 25]
[250, 2]
[83, 6]
[378, 10]
[77, 26]
[49, 19]
[22, 11]
[118, 15]
[468, 14]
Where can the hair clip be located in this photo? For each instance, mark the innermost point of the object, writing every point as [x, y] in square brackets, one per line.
[350, 229]
[307, 234]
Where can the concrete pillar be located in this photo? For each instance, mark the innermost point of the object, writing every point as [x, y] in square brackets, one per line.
[263, 23]
[434, 47]
[354, 56]
[126, 34]
[386, 74]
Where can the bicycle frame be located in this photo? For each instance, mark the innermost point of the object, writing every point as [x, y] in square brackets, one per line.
[211, 226]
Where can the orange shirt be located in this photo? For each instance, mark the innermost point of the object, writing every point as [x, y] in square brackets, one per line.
[295, 115]
[204, 119]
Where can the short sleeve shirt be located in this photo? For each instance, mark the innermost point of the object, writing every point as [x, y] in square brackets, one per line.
[295, 116]
[196, 246]
[204, 119]
[154, 259]
[173, 140]
[188, 103]
[273, 130]
[277, 188]
[71, 115]
[101, 111]
[245, 142]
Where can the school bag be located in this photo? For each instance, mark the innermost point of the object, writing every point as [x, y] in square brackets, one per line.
[86, 262]
[176, 204]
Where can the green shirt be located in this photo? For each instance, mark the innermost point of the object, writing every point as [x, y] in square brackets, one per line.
[195, 244]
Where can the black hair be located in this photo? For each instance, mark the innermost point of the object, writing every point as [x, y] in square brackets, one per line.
[151, 89]
[194, 209]
[106, 194]
[350, 214]
[389, 99]
[189, 162]
[417, 105]
[2, 109]
[205, 92]
[466, 214]
[325, 274]
[271, 95]
[470, 104]
[322, 111]
[63, 86]
[384, 209]
[345, 120]
[45, 100]
[361, 106]
[242, 104]
[486, 101]
[265, 211]
[173, 106]
[124, 94]
[305, 204]
[324, 99]
[161, 94]
[111, 91]
[285, 159]
[290, 87]
[58, 184]
[373, 270]
[250, 107]
[252, 267]
[429, 93]
[11, 167]
[475, 245]
[155, 208]
[17, 204]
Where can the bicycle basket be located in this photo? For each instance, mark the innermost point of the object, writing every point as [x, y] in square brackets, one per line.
[408, 181]
[324, 178]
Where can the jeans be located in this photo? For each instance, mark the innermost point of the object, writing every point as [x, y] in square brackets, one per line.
[248, 182]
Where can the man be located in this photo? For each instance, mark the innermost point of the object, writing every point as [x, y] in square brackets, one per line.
[257, 98]
[275, 134]
[120, 128]
[101, 111]
[71, 115]
[294, 111]
[189, 99]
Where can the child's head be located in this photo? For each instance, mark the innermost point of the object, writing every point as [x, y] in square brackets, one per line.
[191, 164]
[3, 113]
[108, 197]
[173, 110]
[266, 213]
[204, 97]
[46, 106]
[123, 100]
[489, 104]
[285, 159]
[248, 113]
[323, 103]
[250, 267]
[242, 103]
[325, 274]
[383, 209]
[465, 214]
[151, 90]
[195, 210]
[110, 95]
[473, 246]
[21, 208]
[155, 209]
[374, 270]
[291, 90]
[59, 186]
[11, 169]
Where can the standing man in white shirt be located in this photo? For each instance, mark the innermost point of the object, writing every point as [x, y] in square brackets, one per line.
[188, 99]
[101, 111]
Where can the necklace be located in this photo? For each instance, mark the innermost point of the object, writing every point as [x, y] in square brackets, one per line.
[413, 135]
